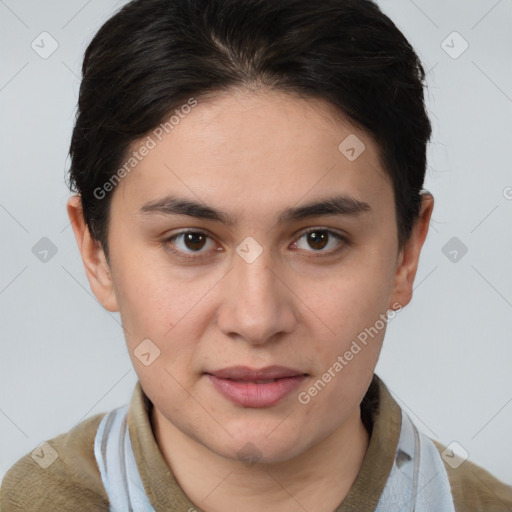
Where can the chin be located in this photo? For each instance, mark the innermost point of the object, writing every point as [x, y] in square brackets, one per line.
[252, 448]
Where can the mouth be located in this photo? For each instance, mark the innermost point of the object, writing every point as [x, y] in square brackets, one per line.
[247, 374]
[250, 387]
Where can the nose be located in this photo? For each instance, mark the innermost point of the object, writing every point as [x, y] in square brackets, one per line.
[258, 305]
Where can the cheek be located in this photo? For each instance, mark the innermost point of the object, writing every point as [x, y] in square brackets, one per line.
[157, 304]
[353, 307]
[353, 299]
[145, 289]
[143, 307]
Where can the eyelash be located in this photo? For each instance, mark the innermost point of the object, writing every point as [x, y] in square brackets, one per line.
[199, 256]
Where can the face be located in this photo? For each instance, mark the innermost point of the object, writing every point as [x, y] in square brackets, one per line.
[256, 276]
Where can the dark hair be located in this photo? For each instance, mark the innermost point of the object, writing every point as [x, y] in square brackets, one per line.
[152, 56]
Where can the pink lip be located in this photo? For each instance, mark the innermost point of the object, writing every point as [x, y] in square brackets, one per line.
[239, 384]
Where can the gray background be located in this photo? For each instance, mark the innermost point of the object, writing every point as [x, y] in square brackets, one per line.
[446, 357]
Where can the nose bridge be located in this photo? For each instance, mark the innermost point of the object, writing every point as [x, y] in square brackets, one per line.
[257, 285]
[258, 307]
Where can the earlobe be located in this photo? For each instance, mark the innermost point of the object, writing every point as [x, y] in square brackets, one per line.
[93, 257]
[409, 257]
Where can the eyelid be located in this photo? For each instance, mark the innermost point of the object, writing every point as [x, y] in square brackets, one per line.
[197, 256]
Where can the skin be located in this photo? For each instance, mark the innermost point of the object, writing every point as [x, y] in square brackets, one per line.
[254, 153]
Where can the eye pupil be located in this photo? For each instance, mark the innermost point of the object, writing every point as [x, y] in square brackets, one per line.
[321, 239]
[191, 238]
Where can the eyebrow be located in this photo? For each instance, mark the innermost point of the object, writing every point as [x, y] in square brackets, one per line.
[337, 205]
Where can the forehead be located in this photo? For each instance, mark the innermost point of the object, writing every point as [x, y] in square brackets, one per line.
[246, 147]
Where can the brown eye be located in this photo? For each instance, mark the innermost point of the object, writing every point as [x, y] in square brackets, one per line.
[188, 243]
[319, 239]
[194, 241]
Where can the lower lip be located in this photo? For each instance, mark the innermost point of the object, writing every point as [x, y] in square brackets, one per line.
[252, 394]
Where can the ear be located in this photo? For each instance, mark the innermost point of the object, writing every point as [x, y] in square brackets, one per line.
[409, 255]
[93, 257]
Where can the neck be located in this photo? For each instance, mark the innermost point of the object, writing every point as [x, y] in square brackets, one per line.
[315, 480]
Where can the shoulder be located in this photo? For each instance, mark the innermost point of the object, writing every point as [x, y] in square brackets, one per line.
[65, 478]
[474, 489]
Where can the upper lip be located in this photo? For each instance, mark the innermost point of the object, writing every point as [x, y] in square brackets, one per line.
[247, 373]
